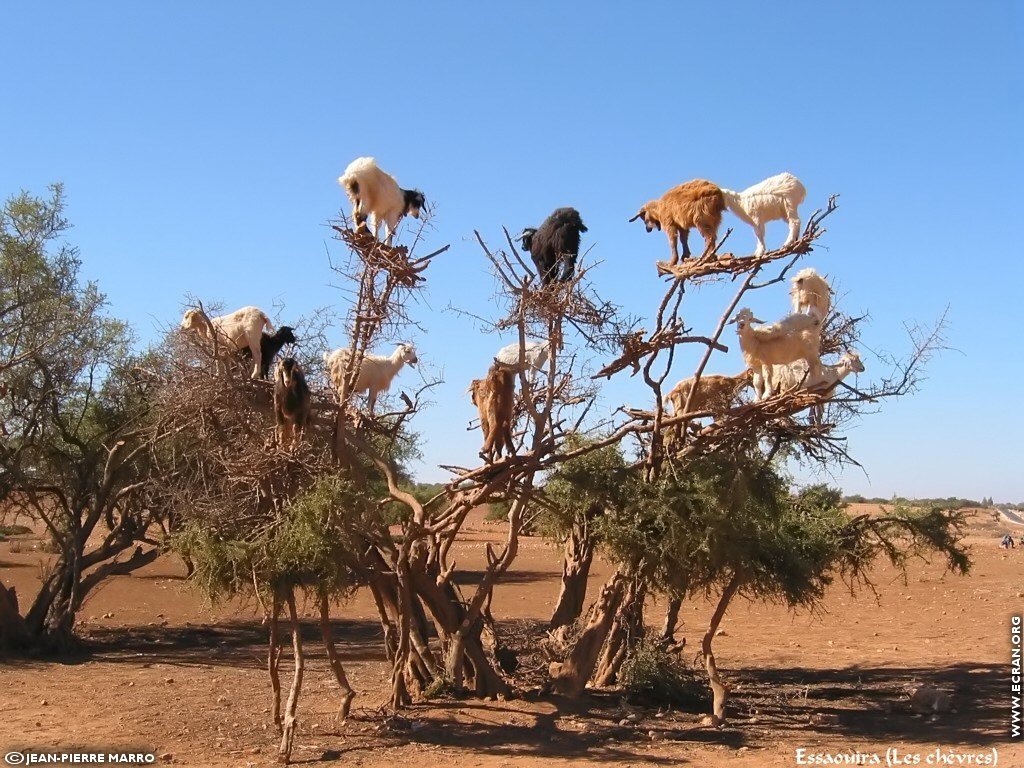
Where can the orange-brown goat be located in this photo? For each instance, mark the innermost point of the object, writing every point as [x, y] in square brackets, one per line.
[494, 397]
[697, 203]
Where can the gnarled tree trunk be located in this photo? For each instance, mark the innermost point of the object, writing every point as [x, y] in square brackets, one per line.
[576, 562]
[570, 677]
[718, 688]
[626, 630]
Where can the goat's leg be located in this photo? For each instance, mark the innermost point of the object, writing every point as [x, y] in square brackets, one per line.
[509, 441]
[673, 241]
[759, 233]
[684, 237]
[487, 452]
[793, 217]
[710, 238]
[769, 381]
[257, 354]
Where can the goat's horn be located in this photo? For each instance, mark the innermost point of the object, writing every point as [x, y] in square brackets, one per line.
[636, 217]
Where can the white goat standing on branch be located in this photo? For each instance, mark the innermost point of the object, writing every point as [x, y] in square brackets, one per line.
[534, 356]
[777, 197]
[239, 330]
[377, 196]
[795, 337]
[375, 371]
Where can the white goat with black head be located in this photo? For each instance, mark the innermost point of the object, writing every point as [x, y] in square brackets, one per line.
[554, 246]
[376, 196]
[242, 329]
[375, 371]
[270, 345]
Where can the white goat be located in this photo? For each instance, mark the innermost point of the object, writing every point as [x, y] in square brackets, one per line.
[239, 330]
[375, 371]
[535, 356]
[777, 197]
[376, 194]
[795, 374]
[795, 337]
[810, 292]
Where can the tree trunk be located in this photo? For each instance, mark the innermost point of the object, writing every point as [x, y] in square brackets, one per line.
[626, 630]
[13, 632]
[576, 561]
[668, 629]
[274, 657]
[347, 694]
[570, 677]
[290, 721]
[718, 688]
[464, 653]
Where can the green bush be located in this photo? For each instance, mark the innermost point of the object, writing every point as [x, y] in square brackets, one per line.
[652, 674]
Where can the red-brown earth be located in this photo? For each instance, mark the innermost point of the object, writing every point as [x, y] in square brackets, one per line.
[167, 672]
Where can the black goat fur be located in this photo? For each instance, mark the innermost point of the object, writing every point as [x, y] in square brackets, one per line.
[291, 401]
[270, 345]
[555, 245]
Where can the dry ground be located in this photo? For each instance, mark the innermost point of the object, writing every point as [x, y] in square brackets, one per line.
[170, 673]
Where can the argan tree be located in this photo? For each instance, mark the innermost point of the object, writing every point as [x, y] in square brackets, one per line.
[74, 444]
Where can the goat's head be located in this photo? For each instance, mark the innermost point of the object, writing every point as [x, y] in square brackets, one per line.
[286, 335]
[744, 318]
[474, 387]
[525, 238]
[852, 360]
[408, 352]
[287, 369]
[194, 320]
[649, 218]
[414, 202]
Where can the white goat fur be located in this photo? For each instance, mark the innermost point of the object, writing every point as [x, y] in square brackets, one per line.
[375, 371]
[777, 197]
[535, 356]
[379, 197]
[236, 331]
[795, 337]
[794, 375]
[810, 292]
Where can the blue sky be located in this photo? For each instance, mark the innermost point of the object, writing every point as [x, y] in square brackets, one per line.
[199, 144]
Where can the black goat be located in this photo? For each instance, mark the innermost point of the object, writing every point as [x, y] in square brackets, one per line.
[270, 345]
[291, 402]
[555, 245]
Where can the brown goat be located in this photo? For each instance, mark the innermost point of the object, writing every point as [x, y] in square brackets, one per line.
[714, 393]
[291, 402]
[494, 397]
[697, 203]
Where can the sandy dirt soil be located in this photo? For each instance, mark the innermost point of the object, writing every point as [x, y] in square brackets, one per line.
[167, 672]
